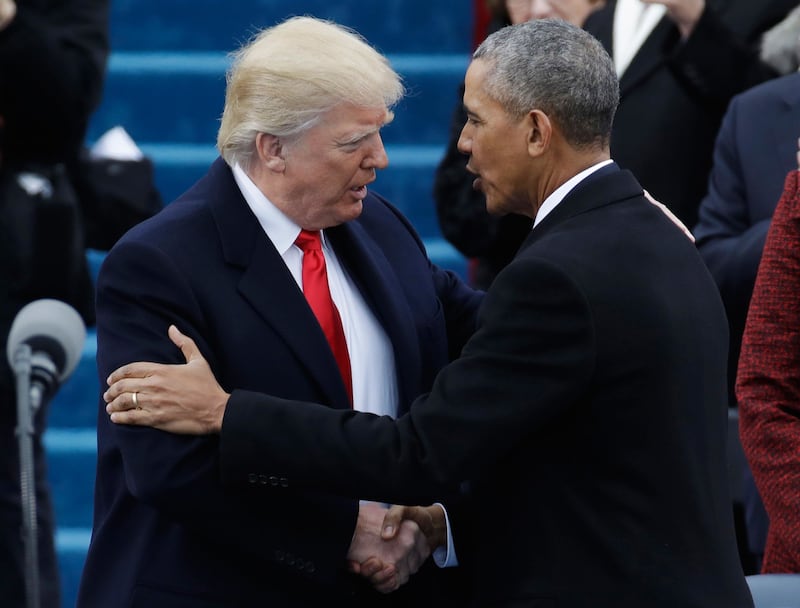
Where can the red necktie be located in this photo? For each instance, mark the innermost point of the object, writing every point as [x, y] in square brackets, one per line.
[318, 294]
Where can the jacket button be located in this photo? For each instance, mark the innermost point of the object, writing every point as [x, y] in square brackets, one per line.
[262, 479]
[284, 482]
[252, 478]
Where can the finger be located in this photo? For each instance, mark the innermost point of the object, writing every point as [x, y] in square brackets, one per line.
[373, 566]
[122, 403]
[121, 394]
[386, 582]
[140, 369]
[132, 417]
[353, 566]
[185, 343]
[392, 520]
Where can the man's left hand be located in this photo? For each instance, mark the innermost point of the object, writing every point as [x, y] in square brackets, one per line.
[183, 399]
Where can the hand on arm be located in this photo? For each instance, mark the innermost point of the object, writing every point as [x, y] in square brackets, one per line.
[685, 13]
[183, 399]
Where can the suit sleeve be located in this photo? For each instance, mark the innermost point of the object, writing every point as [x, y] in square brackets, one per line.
[768, 383]
[503, 387]
[730, 244]
[140, 292]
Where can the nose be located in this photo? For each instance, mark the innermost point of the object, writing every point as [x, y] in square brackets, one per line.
[377, 157]
[465, 140]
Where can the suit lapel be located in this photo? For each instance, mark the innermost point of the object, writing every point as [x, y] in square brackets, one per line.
[375, 278]
[269, 287]
[653, 53]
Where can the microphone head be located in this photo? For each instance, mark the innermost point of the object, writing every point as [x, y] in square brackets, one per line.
[49, 326]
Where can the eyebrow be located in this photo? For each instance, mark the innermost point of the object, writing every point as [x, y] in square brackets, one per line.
[361, 135]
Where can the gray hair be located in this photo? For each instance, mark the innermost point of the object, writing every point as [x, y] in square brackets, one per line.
[291, 74]
[550, 65]
[780, 46]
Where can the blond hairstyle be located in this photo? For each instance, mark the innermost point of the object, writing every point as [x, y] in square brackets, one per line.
[289, 75]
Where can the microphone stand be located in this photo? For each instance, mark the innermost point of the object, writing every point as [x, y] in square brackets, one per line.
[25, 432]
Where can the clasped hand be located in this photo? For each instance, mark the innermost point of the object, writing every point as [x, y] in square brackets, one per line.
[389, 545]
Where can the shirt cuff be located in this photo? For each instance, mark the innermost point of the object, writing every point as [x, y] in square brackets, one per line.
[445, 557]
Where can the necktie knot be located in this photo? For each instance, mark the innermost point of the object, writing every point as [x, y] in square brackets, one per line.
[309, 240]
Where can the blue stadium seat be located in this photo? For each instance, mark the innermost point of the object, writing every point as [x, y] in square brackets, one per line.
[775, 590]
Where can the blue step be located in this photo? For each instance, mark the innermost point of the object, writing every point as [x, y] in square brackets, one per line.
[390, 26]
[71, 462]
[71, 546]
[75, 404]
[179, 97]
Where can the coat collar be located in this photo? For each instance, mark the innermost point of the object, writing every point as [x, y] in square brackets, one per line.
[606, 186]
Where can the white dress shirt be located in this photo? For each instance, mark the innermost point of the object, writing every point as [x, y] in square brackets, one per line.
[372, 363]
[633, 23]
[561, 192]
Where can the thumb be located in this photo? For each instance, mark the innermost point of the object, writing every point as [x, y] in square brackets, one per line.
[185, 343]
[392, 520]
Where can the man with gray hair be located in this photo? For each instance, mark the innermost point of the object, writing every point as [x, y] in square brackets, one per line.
[588, 410]
[297, 281]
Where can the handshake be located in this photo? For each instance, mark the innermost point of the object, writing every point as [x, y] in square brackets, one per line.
[389, 545]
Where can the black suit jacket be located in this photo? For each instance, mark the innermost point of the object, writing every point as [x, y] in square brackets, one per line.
[589, 409]
[673, 94]
[166, 533]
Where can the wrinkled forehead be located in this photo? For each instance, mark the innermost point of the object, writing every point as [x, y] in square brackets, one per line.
[349, 122]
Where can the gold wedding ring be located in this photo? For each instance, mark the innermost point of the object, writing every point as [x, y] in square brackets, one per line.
[135, 400]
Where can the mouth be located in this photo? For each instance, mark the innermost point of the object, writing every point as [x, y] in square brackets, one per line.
[359, 192]
[477, 183]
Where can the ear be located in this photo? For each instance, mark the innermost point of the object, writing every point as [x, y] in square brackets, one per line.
[540, 132]
[270, 152]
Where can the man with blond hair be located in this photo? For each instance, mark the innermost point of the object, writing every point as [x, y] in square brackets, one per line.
[236, 262]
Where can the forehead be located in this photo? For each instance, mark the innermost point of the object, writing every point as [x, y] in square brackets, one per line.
[348, 119]
[476, 99]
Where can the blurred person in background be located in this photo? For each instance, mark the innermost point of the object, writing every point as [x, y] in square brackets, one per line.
[490, 241]
[768, 381]
[753, 153]
[679, 63]
[52, 63]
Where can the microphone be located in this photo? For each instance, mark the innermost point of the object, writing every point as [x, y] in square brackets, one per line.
[53, 334]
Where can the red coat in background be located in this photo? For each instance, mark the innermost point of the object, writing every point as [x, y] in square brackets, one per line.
[768, 385]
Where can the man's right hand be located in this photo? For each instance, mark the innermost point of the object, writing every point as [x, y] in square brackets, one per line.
[387, 564]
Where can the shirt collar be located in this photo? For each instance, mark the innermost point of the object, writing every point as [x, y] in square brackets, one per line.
[278, 227]
[560, 193]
